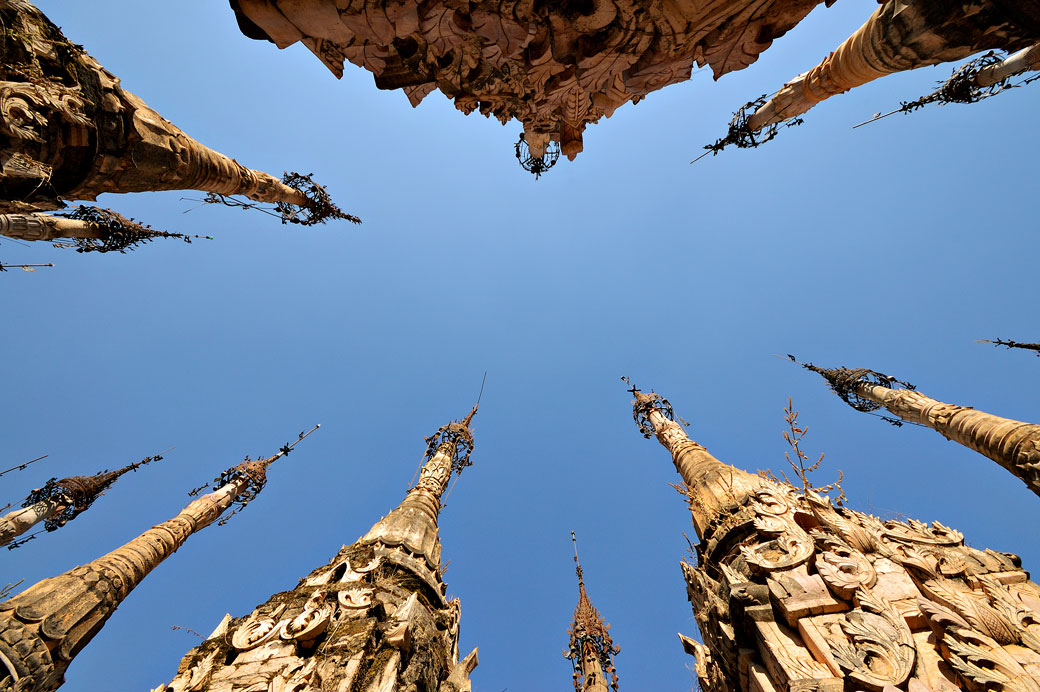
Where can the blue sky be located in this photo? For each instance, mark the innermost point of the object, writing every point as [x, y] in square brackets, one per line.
[892, 246]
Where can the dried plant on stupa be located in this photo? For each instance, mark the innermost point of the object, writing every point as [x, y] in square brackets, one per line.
[44, 627]
[904, 35]
[793, 592]
[374, 619]
[71, 132]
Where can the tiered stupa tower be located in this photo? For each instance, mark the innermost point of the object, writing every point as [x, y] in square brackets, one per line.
[1012, 444]
[591, 650]
[43, 628]
[794, 593]
[374, 619]
[72, 132]
[60, 501]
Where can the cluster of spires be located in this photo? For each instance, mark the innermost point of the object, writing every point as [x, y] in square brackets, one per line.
[45, 626]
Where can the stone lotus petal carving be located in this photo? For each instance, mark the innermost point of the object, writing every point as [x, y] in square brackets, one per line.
[356, 597]
[882, 650]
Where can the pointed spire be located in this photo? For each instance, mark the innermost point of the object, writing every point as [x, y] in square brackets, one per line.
[413, 524]
[44, 627]
[73, 132]
[60, 501]
[712, 485]
[1012, 344]
[591, 650]
[373, 619]
[1012, 444]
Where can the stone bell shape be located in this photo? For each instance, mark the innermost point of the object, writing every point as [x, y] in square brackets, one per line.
[60, 501]
[554, 66]
[1012, 444]
[71, 132]
[791, 592]
[374, 619]
[43, 628]
[590, 650]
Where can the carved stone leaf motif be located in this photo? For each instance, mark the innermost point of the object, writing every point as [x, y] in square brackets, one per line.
[736, 45]
[845, 570]
[918, 532]
[774, 509]
[356, 597]
[254, 633]
[882, 649]
[19, 112]
[440, 26]
[314, 619]
[1011, 606]
[973, 607]
[984, 662]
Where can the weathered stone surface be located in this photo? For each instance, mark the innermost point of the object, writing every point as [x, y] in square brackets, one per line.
[374, 619]
[555, 67]
[876, 605]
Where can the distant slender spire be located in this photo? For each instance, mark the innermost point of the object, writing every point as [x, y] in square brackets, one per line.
[591, 650]
[373, 619]
[1012, 444]
[60, 501]
[1012, 344]
[44, 627]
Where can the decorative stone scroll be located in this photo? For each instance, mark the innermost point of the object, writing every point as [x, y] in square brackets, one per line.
[875, 605]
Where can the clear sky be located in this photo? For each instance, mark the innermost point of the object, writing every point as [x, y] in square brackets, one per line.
[892, 246]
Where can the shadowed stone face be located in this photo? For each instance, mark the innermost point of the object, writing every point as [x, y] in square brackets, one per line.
[554, 66]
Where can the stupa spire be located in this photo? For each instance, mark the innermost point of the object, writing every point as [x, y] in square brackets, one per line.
[591, 650]
[60, 501]
[714, 485]
[791, 592]
[43, 628]
[374, 619]
[1012, 444]
[73, 132]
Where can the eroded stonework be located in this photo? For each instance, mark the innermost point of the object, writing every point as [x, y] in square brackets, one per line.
[794, 593]
[374, 619]
[554, 66]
